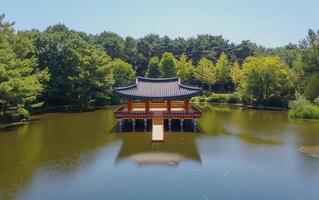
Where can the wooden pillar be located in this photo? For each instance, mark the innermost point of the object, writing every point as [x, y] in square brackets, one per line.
[147, 106]
[129, 105]
[186, 104]
[169, 105]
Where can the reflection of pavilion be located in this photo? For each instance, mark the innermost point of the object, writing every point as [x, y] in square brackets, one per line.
[176, 148]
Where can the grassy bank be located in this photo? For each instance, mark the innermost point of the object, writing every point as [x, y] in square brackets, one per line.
[305, 111]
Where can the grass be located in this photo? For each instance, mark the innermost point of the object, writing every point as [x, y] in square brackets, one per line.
[305, 111]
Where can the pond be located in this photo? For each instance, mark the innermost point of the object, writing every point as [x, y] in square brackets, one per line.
[237, 153]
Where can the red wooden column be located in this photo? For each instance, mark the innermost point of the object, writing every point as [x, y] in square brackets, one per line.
[169, 105]
[147, 106]
[186, 104]
[129, 105]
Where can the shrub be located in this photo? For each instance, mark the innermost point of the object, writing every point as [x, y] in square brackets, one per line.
[316, 101]
[300, 100]
[224, 98]
[199, 99]
[305, 111]
[233, 98]
[22, 112]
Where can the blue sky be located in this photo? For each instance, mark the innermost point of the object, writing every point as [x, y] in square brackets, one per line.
[266, 22]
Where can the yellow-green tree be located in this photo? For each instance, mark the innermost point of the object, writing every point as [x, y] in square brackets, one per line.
[222, 70]
[205, 72]
[185, 69]
[236, 74]
[268, 80]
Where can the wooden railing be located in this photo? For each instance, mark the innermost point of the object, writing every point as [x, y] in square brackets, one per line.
[122, 112]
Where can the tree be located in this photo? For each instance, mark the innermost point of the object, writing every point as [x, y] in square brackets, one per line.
[79, 69]
[122, 72]
[20, 80]
[205, 72]
[310, 45]
[168, 65]
[185, 69]
[92, 76]
[312, 87]
[112, 43]
[236, 74]
[222, 70]
[153, 70]
[268, 80]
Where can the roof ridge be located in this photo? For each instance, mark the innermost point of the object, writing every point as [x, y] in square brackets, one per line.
[140, 78]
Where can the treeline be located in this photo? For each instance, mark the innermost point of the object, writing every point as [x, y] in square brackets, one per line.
[59, 66]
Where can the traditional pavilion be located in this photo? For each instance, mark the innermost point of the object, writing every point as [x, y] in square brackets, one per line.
[152, 98]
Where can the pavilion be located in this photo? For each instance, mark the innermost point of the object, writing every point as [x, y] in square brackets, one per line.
[158, 99]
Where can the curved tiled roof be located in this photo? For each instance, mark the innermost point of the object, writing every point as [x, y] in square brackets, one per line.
[158, 88]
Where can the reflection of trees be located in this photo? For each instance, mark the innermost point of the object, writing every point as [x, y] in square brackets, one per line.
[175, 148]
[55, 139]
[249, 125]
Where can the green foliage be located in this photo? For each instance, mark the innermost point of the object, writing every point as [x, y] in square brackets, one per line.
[222, 69]
[224, 98]
[20, 80]
[78, 68]
[23, 113]
[92, 76]
[153, 70]
[311, 50]
[199, 99]
[168, 65]
[305, 111]
[205, 72]
[236, 74]
[299, 100]
[112, 43]
[268, 79]
[312, 87]
[185, 69]
[122, 72]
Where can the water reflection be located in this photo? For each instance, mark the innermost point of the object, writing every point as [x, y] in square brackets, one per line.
[176, 148]
[79, 155]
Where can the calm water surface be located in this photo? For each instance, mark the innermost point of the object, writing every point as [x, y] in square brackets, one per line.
[236, 154]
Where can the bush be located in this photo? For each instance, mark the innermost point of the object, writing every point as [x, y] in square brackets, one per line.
[300, 101]
[217, 98]
[305, 111]
[22, 112]
[199, 99]
[316, 101]
[224, 98]
[234, 98]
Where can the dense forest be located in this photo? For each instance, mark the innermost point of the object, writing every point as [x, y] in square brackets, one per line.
[64, 67]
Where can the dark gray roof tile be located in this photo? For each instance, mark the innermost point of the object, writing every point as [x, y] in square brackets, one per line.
[158, 88]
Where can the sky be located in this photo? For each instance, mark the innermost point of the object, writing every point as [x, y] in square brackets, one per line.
[270, 23]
